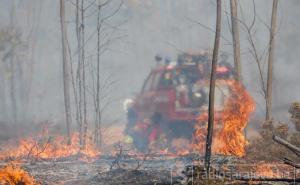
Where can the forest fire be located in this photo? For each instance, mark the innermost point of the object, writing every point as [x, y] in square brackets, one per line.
[265, 170]
[138, 92]
[49, 147]
[12, 174]
[229, 138]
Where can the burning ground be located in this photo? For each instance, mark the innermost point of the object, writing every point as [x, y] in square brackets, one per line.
[154, 169]
[73, 62]
[48, 158]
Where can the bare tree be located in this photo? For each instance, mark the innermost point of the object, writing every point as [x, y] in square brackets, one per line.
[33, 16]
[3, 106]
[17, 49]
[104, 83]
[66, 76]
[212, 89]
[86, 82]
[13, 68]
[85, 123]
[98, 119]
[79, 82]
[262, 56]
[235, 39]
[78, 89]
[270, 61]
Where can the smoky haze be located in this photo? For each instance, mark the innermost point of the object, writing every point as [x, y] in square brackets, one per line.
[143, 29]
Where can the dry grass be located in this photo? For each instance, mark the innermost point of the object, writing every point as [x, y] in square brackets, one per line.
[12, 174]
[264, 148]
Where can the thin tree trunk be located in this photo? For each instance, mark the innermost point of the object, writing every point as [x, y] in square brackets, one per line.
[13, 89]
[79, 75]
[35, 11]
[3, 106]
[235, 40]
[100, 128]
[212, 89]
[270, 61]
[13, 97]
[98, 113]
[85, 124]
[66, 76]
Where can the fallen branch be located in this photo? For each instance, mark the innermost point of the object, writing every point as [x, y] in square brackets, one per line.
[44, 148]
[288, 145]
[35, 153]
[291, 163]
[30, 150]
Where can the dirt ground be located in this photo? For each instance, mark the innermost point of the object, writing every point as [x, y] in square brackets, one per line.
[101, 171]
[159, 170]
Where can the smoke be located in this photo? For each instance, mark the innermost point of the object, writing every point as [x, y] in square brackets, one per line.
[149, 27]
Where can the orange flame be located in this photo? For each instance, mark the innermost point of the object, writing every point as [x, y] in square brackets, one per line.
[266, 170]
[229, 138]
[12, 174]
[49, 147]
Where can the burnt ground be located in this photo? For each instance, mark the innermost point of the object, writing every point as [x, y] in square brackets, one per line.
[109, 170]
[106, 171]
[133, 170]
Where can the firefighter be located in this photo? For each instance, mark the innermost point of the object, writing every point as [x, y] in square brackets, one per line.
[140, 135]
[135, 132]
[131, 116]
[156, 138]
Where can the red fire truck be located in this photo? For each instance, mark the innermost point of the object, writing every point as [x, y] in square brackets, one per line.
[172, 98]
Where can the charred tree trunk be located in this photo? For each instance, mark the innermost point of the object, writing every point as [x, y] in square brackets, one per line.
[271, 61]
[235, 40]
[66, 76]
[212, 89]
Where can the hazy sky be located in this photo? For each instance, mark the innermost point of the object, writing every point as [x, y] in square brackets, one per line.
[149, 27]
